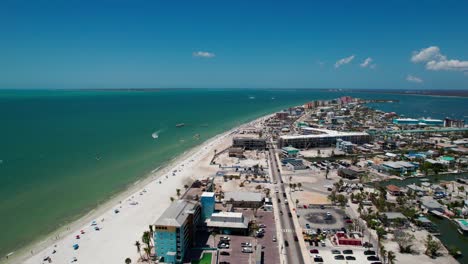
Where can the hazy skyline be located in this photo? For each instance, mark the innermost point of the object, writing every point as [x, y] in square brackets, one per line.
[234, 44]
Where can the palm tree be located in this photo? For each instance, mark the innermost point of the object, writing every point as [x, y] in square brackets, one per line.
[128, 261]
[138, 246]
[147, 251]
[178, 192]
[146, 238]
[391, 257]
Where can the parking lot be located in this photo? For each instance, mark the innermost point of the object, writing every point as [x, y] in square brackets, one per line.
[236, 256]
[328, 256]
[318, 218]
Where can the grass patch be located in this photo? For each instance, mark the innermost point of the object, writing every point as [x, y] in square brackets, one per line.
[206, 259]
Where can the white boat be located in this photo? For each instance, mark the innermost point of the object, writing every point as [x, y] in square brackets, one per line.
[155, 135]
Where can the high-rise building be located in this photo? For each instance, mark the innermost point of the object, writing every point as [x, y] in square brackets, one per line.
[207, 200]
[175, 229]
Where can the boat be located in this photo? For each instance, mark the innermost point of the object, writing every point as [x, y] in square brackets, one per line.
[180, 125]
[155, 135]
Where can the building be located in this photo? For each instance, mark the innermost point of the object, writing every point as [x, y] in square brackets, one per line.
[394, 218]
[249, 143]
[345, 146]
[399, 167]
[432, 205]
[175, 229]
[394, 190]
[236, 152]
[244, 199]
[290, 151]
[418, 122]
[454, 123]
[282, 115]
[228, 222]
[350, 173]
[207, 201]
[295, 164]
[323, 138]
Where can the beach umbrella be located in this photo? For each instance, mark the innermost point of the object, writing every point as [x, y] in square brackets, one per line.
[76, 246]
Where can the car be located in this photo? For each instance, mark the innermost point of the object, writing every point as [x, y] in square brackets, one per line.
[328, 215]
[247, 250]
[262, 226]
[314, 251]
[305, 206]
[350, 258]
[285, 201]
[224, 238]
[339, 257]
[372, 258]
[289, 214]
[322, 242]
[367, 245]
[284, 195]
[347, 252]
[335, 251]
[377, 262]
[286, 243]
[322, 206]
[307, 226]
[274, 239]
[224, 262]
[223, 245]
[296, 238]
[246, 244]
[369, 252]
[346, 217]
[318, 259]
[225, 253]
[349, 221]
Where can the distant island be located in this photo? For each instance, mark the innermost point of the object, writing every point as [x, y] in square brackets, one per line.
[455, 93]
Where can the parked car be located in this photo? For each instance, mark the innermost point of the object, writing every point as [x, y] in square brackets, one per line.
[224, 253]
[307, 226]
[314, 251]
[224, 262]
[246, 244]
[372, 258]
[286, 243]
[274, 239]
[224, 238]
[322, 243]
[289, 214]
[335, 251]
[367, 245]
[296, 238]
[318, 259]
[339, 257]
[350, 258]
[247, 250]
[347, 252]
[369, 252]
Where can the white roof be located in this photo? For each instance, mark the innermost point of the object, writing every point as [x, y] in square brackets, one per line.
[334, 134]
[243, 196]
[208, 194]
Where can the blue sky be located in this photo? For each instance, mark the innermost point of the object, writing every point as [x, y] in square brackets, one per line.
[233, 44]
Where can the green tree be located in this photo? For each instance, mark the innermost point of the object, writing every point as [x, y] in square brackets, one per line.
[341, 199]
[147, 251]
[432, 246]
[128, 261]
[299, 185]
[391, 258]
[178, 192]
[186, 186]
[172, 199]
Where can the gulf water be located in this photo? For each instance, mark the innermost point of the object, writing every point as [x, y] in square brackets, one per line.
[62, 153]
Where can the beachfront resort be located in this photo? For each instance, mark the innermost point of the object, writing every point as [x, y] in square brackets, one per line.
[330, 181]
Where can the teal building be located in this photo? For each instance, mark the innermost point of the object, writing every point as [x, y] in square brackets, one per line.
[175, 229]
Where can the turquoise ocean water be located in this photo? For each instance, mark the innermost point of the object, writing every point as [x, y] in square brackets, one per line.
[63, 153]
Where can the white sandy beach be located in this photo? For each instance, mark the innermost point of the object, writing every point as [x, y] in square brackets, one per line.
[139, 207]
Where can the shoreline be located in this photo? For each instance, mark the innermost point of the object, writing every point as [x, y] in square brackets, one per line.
[39, 245]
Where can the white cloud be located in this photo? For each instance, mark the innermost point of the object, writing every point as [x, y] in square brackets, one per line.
[203, 54]
[427, 54]
[436, 61]
[411, 78]
[367, 62]
[344, 61]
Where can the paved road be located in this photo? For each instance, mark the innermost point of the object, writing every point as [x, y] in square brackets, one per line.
[293, 251]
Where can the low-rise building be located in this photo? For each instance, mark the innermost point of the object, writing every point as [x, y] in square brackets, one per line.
[228, 222]
[244, 199]
[249, 143]
[394, 190]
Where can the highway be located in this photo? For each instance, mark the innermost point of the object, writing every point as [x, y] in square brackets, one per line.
[293, 251]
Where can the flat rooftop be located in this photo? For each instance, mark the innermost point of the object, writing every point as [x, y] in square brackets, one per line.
[176, 214]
